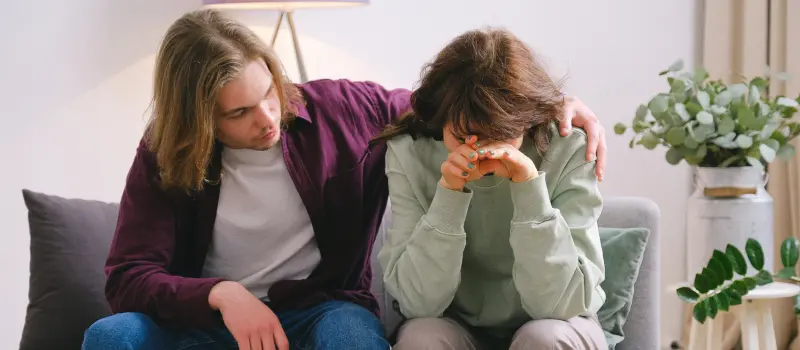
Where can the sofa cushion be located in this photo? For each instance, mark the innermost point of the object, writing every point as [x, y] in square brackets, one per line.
[70, 239]
[623, 250]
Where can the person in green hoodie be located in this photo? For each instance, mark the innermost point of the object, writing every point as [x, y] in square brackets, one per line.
[494, 240]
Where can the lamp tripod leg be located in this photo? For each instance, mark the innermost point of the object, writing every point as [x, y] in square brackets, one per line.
[277, 28]
[300, 65]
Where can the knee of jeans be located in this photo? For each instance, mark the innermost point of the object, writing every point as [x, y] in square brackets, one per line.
[119, 331]
[350, 326]
[541, 334]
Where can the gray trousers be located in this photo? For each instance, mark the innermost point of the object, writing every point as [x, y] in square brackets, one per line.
[582, 333]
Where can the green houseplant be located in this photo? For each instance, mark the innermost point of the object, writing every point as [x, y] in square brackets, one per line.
[727, 133]
[723, 281]
[710, 124]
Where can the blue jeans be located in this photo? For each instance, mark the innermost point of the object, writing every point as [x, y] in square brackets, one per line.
[330, 325]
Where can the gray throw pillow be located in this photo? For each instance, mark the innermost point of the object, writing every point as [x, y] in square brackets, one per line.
[70, 239]
[623, 250]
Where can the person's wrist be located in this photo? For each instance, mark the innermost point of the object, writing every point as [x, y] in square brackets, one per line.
[528, 173]
[222, 292]
[445, 184]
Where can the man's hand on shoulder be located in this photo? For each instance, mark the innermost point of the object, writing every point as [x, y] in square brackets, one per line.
[250, 321]
[578, 114]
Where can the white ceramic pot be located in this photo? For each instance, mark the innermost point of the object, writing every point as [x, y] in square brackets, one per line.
[729, 205]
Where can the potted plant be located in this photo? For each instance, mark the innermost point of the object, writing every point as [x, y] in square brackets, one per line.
[707, 123]
[728, 134]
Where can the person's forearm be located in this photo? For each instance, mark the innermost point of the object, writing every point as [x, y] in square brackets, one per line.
[423, 271]
[552, 276]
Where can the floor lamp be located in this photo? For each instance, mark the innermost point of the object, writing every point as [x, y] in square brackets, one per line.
[286, 8]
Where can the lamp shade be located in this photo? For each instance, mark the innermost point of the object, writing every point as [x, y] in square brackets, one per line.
[280, 4]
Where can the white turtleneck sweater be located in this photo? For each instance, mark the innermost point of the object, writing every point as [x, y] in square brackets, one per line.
[262, 233]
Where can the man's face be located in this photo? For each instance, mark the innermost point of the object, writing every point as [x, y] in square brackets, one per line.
[248, 110]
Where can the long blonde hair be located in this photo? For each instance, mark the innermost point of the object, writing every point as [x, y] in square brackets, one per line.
[201, 52]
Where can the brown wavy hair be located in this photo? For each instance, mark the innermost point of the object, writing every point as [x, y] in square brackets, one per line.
[201, 52]
[487, 83]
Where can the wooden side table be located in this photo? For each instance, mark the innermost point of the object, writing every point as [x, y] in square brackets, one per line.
[758, 332]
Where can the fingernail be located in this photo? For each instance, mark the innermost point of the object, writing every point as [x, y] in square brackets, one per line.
[470, 165]
[491, 152]
[508, 153]
[481, 152]
[478, 143]
[471, 155]
[464, 174]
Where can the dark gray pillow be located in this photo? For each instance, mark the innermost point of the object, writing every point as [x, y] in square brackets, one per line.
[70, 239]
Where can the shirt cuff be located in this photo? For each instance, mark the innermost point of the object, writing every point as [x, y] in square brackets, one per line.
[448, 210]
[531, 200]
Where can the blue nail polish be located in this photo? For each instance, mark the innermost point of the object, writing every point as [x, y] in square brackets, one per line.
[471, 166]
[481, 152]
[464, 174]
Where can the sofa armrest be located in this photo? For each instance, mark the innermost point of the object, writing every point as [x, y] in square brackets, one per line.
[643, 325]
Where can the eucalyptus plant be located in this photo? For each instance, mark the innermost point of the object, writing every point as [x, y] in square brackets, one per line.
[725, 279]
[710, 124]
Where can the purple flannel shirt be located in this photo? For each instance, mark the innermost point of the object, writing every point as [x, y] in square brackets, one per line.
[162, 238]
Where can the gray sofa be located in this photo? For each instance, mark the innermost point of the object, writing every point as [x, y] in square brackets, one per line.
[70, 240]
[642, 327]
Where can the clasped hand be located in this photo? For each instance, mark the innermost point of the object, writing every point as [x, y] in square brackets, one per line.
[473, 160]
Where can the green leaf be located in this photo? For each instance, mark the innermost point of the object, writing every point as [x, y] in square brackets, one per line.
[702, 132]
[737, 90]
[723, 99]
[726, 125]
[763, 277]
[737, 259]
[718, 270]
[690, 142]
[717, 110]
[677, 86]
[704, 99]
[789, 252]
[730, 160]
[714, 281]
[768, 130]
[723, 301]
[787, 102]
[754, 95]
[767, 152]
[701, 152]
[747, 118]
[720, 258]
[740, 286]
[700, 311]
[713, 307]
[620, 128]
[688, 294]
[701, 283]
[774, 144]
[705, 118]
[751, 283]
[700, 75]
[659, 104]
[693, 108]
[676, 135]
[736, 298]
[787, 273]
[759, 82]
[786, 152]
[641, 112]
[680, 109]
[676, 66]
[744, 141]
[754, 162]
[649, 140]
[674, 156]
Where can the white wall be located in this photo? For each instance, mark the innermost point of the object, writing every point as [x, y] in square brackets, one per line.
[76, 81]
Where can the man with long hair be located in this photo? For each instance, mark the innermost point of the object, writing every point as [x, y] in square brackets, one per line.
[250, 209]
